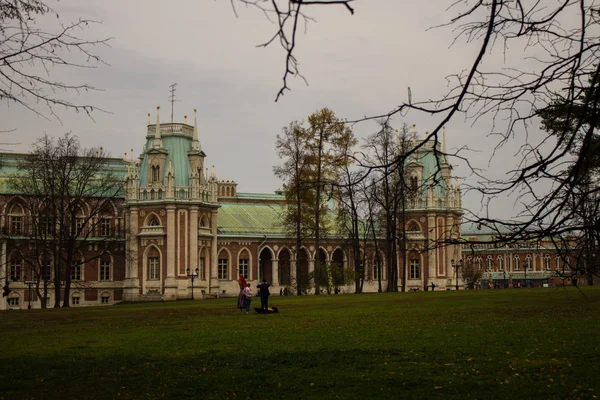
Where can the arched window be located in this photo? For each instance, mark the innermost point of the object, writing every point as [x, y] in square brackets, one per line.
[517, 265]
[500, 263]
[155, 173]
[153, 264]
[223, 266]
[414, 183]
[154, 221]
[478, 261]
[489, 263]
[243, 265]
[547, 262]
[413, 227]
[16, 220]
[105, 298]
[528, 263]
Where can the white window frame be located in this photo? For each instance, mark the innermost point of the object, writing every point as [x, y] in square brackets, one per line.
[415, 268]
[105, 226]
[76, 272]
[154, 268]
[102, 274]
[244, 266]
[223, 269]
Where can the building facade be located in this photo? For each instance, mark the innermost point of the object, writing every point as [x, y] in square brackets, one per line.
[178, 232]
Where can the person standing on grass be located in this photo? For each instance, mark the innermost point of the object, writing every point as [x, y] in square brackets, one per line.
[248, 297]
[264, 294]
[241, 302]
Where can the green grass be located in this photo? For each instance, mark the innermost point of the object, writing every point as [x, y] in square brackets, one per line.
[537, 343]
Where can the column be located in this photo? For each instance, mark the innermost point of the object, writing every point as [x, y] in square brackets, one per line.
[4, 272]
[193, 261]
[432, 230]
[275, 271]
[131, 286]
[293, 270]
[214, 281]
[170, 292]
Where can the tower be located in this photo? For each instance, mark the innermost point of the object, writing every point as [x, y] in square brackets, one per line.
[172, 215]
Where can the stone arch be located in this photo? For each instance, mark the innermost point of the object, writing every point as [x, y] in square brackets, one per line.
[203, 264]
[265, 267]
[10, 203]
[151, 251]
[414, 226]
[302, 264]
[338, 262]
[382, 260]
[152, 216]
[285, 266]
[204, 221]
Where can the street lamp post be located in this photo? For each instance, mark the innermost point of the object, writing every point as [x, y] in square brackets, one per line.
[193, 275]
[456, 266]
[504, 273]
[29, 284]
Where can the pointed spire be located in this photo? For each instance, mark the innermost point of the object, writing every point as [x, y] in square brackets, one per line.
[148, 118]
[444, 140]
[213, 171]
[157, 139]
[195, 141]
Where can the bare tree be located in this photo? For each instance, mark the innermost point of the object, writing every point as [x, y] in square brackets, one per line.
[73, 199]
[30, 55]
[560, 42]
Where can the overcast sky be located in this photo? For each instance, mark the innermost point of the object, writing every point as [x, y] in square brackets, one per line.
[356, 65]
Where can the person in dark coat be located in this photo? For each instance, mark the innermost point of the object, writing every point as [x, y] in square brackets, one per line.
[264, 294]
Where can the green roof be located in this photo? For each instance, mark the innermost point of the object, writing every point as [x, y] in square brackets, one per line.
[239, 219]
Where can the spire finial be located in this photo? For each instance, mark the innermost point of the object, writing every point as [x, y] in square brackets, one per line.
[444, 140]
[148, 118]
[195, 141]
[157, 139]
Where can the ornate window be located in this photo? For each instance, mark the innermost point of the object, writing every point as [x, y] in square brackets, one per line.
[490, 263]
[414, 183]
[528, 263]
[517, 265]
[547, 262]
[155, 170]
[13, 301]
[154, 221]
[478, 262]
[415, 269]
[500, 263]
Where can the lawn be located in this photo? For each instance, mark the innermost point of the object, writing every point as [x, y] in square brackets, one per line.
[517, 343]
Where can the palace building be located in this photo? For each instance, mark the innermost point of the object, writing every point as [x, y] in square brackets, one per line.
[176, 219]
